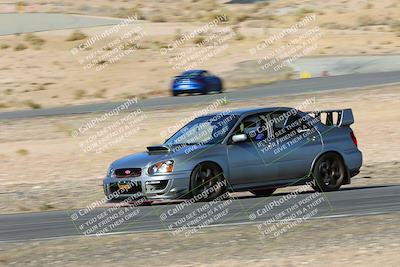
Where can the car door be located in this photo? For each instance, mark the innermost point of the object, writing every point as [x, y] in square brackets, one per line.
[298, 144]
[249, 162]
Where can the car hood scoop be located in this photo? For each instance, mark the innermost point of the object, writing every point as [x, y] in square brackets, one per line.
[158, 148]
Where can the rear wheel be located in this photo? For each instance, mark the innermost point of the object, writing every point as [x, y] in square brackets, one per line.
[329, 172]
[174, 93]
[207, 181]
[221, 89]
[263, 192]
[204, 90]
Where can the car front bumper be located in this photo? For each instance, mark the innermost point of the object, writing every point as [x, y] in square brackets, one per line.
[156, 187]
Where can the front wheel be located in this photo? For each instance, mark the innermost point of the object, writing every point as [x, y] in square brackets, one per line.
[329, 172]
[207, 182]
[174, 93]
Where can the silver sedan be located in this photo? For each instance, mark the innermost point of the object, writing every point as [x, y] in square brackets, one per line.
[256, 150]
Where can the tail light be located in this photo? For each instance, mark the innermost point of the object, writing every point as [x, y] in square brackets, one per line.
[354, 138]
[199, 80]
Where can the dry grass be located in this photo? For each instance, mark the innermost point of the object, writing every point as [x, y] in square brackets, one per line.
[304, 11]
[158, 18]
[100, 93]
[80, 93]
[241, 17]
[34, 40]
[20, 47]
[22, 152]
[3, 105]
[198, 39]
[76, 36]
[8, 91]
[334, 26]
[32, 104]
[395, 26]
[367, 20]
[64, 128]
[46, 207]
[128, 12]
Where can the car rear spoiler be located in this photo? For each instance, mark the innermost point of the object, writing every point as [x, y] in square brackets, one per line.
[335, 117]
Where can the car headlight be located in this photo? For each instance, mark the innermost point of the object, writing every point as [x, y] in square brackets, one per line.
[161, 167]
[110, 172]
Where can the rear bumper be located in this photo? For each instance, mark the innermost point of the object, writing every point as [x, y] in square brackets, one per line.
[188, 88]
[353, 160]
[187, 91]
[157, 187]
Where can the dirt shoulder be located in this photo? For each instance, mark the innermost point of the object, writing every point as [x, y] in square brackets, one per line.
[357, 241]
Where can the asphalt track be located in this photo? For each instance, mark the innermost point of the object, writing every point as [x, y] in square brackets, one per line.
[275, 89]
[349, 201]
[16, 23]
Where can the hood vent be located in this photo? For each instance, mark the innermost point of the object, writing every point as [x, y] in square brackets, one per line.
[159, 148]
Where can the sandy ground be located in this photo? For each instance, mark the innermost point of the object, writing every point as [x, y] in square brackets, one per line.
[42, 71]
[366, 241]
[44, 167]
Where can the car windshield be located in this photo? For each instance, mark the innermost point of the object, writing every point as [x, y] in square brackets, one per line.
[210, 129]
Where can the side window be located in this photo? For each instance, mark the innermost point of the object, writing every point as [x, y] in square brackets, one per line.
[296, 122]
[283, 125]
[271, 126]
[278, 122]
[255, 127]
[205, 74]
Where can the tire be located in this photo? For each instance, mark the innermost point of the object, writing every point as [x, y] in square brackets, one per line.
[221, 88]
[329, 173]
[263, 192]
[205, 90]
[205, 176]
[174, 93]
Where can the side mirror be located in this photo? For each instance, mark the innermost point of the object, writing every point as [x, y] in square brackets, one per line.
[239, 138]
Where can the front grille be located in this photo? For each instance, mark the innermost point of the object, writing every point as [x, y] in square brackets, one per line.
[128, 172]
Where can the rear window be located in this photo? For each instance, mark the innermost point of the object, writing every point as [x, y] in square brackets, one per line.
[192, 74]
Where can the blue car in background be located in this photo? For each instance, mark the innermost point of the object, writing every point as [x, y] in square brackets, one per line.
[196, 81]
